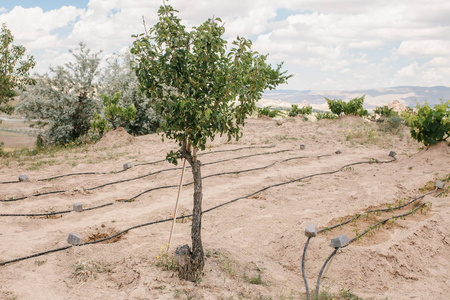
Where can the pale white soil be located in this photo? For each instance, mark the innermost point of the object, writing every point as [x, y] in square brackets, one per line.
[262, 235]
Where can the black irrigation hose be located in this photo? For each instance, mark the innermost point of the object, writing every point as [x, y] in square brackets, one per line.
[139, 177]
[71, 174]
[140, 194]
[140, 164]
[187, 216]
[383, 222]
[5, 182]
[376, 210]
[34, 195]
[34, 255]
[321, 271]
[441, 192]
[210, 152]
[371, 227]
[303, 268]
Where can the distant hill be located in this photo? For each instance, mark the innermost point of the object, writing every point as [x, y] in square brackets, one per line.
[407, 95]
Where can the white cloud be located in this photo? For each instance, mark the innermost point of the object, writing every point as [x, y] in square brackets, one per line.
[418, 48]
[328, 44]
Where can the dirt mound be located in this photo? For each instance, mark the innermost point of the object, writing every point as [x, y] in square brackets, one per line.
[115, 138]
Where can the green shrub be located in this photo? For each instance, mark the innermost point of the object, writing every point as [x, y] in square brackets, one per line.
[114, 114]
[385, 111]
[269, 112]
[336, 106]
[325, 115]
[428, 125]
[295, 111]
[353, 107]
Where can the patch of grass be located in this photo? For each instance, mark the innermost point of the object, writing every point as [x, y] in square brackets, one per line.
[83, 271]
[228, 265]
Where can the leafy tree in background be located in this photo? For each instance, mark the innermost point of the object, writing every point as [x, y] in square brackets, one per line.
[14, 69]
[65, 102]
[200, 90]
[118, 76]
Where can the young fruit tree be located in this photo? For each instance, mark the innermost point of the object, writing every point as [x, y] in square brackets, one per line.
[14, 70]
[201, 90]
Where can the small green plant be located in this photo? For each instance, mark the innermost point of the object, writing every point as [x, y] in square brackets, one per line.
[115, 115]
[429, 125]
[269, 112]
[295, 111]
[325, 115]
[385, 111]
[164, 260]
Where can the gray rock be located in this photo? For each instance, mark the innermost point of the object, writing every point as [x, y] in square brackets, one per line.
[338, 152]
[302, 146]
[340, 241]
[23, 178]
[392, 154]
[74, 239]
[127, 166]
[439, 184]
[310, 230]
[78, 207]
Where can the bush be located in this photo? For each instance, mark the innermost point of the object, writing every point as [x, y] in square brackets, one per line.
[295, 111]
[269, 112]
[385, 111]
[114, 114]
[325, 115]
[65, 102]
[428, 125]
[353, 107]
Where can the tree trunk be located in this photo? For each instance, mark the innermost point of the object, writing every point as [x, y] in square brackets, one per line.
[191, 267]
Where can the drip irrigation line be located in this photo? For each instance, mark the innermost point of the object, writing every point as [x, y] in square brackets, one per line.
[34, 195]
[139, 177]
[303, 268]
[321, 271]
[87, 243]
[288, 182]
[210, 152]
[34, 255]
[182, 217]
[140, 164]
[441, 192]
[376, 210]
[383, 222]
[5, 182]
[71, 174]
[371, 227]
[140, 194]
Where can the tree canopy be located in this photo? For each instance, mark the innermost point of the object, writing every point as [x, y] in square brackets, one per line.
[199, 87]
[14, 68]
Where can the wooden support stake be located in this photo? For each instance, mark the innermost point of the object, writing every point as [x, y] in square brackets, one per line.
[176, 205]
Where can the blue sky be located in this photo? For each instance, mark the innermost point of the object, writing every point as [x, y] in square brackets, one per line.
[45, 5]
[326, 44]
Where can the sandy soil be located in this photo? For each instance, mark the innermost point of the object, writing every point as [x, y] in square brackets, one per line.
[254, 245]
